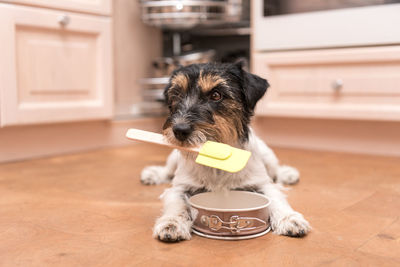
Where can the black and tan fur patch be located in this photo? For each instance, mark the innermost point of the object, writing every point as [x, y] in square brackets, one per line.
[181, 81]
[208, 81]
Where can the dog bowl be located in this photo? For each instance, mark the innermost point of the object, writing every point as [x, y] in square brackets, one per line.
[233, 215]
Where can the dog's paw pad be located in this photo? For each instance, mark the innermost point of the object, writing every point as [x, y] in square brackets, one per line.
[172, 229]
[287, 175]
[153, 175]
[293, 225]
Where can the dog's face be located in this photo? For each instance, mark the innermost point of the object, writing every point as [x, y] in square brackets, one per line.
[211, 102]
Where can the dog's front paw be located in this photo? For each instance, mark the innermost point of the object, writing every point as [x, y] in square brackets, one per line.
[172, 229]
[154, 175]
[293, 225]
[287, 175]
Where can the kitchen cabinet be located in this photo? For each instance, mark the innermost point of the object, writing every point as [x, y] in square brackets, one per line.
[102, 7]
[334, 75]
[339, 63]
[55, 66]
[348, 83]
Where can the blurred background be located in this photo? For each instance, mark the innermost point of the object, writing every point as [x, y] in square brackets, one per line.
[74, 75]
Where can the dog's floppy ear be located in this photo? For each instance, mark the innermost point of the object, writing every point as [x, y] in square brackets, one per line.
[166, 97]
[167, 87]
[166, 94]
[254, 87]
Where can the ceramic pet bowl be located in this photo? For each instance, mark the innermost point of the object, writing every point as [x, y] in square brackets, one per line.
[232, 216]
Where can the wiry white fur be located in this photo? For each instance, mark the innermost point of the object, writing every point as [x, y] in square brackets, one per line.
[160, 174]
[175, 223]
[287, 175]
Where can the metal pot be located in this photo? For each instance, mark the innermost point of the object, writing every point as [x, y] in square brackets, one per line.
[166, 65]
[186, 14]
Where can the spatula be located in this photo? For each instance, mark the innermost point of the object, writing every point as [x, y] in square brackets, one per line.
[211, 154]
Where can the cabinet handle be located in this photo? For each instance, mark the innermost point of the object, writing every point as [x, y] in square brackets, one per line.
[337, 84]
[63, 20]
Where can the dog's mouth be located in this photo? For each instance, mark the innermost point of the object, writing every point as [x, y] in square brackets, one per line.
[195, 139]
[185, 143]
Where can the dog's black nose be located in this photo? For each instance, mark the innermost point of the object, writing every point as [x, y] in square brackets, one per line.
[182, 131]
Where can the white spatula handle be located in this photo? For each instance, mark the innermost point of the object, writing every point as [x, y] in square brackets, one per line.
[155, 138]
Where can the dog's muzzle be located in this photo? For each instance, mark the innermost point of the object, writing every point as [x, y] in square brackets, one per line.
[182, 131]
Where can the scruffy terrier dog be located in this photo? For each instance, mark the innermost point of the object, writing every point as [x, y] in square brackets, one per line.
[215, 102]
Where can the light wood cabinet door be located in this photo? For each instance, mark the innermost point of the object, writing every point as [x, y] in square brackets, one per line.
[103, 7]
[350, 83]
[54, 66]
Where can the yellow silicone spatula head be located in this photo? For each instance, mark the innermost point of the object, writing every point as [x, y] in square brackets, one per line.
[222, 156]
[211, 154]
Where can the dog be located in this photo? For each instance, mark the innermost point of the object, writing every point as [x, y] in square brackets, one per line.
[215, 102]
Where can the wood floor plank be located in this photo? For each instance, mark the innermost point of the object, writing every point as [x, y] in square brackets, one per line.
[89, 209]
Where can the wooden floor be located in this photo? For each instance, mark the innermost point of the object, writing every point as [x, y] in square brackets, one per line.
[90, 209]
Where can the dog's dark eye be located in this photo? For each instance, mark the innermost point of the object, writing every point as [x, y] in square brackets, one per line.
[215, 96]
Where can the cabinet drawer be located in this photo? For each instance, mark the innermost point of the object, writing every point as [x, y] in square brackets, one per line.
[52, 71]
[357, 83]
[103, 7]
